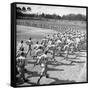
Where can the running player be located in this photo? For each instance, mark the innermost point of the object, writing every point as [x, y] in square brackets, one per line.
[21, 66]
[43, 59]
[20, 47]
[29, 43]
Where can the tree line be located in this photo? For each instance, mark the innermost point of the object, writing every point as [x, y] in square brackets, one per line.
[21, 14]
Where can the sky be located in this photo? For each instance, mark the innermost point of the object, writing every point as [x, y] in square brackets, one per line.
[59, 10]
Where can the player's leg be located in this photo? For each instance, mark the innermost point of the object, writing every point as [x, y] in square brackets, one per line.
[30, 49]
[41, 73]
[66, 52]
[53, 55]
[45, 71]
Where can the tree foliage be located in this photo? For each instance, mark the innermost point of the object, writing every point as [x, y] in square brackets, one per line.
[29, 8]
[22, 15]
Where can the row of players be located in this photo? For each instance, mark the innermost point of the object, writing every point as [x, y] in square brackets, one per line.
[55, 44]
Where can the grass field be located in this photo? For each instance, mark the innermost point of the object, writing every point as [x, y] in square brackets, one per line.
[64, 71]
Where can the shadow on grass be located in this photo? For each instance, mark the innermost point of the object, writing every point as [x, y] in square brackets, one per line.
[57, 81]
[56, 63]
[35, 74]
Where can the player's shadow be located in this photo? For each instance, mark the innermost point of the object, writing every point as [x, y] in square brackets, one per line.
[55, 64]
[81, 56]
[59, 55]
[77, 61]
[28, 82]
[31, 74]
[53, 69]
[36, 74]
[57, 81]
[21, 83]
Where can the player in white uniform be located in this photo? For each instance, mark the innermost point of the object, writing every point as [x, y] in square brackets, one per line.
[52, 49]
[67, 47]
[39, 49]
[58, 46]
[36, 45]
[43, 59]
[58, 43]
[21, 66]
[29, 43]
[20, 46]
[44, 41]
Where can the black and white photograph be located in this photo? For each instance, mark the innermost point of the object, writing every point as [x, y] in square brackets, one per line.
[51, 44]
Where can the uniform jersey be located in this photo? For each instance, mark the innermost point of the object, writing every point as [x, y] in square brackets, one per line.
[36, 46]
[20, 46]
[44, 41]
[50, 42]
[29, 42]
[39, 46]
[43, 58]
[51, 47]
[77, 40]
[58, 42]
[20, 61]
[68, 41]
[38, 52]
